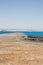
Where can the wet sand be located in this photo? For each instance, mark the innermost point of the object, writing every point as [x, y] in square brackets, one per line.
[15, 51]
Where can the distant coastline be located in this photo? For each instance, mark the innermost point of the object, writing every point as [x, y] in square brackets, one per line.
[33, 36]
[28, 33]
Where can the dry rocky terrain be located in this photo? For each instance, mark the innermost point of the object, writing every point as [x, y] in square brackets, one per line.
[14, 51]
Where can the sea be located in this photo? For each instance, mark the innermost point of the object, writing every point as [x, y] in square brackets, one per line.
[37, 34]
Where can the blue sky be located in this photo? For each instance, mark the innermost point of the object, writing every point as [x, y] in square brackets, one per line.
[23, 14]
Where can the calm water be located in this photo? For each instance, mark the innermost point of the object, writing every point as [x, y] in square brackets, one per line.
[6, 32]
[39, 34]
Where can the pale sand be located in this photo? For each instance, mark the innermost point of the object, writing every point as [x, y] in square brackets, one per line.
[14, 51]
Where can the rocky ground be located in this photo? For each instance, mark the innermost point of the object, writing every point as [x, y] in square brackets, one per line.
[14, 51]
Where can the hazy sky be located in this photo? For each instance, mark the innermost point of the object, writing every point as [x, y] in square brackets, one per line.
[26, 14]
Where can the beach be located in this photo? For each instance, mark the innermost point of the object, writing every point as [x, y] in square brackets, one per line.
[16, 51]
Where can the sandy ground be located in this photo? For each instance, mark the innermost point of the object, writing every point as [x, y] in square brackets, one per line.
[14, 51]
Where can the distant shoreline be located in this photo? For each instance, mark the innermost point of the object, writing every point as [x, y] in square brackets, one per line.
[27, 33]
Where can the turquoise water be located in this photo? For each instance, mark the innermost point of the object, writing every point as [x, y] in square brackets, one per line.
[38, 34]
[6, 32]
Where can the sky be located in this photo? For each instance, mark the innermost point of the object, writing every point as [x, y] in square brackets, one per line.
[21, 14]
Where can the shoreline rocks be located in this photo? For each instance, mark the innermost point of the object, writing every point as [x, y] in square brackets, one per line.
[34, 38]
